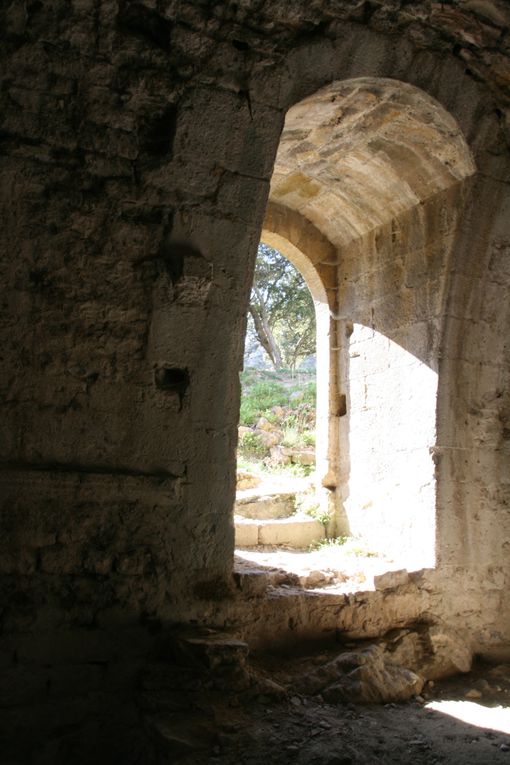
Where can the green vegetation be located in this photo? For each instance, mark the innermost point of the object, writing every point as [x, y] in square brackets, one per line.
[350, 546]
[279, 408]
[261, 467]
[263, 390]
[251, 445]
[259, 399]
[333, 542]
[308, 503]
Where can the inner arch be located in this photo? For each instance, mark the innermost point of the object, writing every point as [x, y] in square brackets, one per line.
[358, 153]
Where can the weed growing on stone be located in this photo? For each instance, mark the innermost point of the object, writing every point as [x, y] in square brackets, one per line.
[350, 546]
[331, 542]
[251, 445]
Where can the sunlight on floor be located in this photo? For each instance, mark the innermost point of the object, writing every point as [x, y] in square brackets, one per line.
[495, 718]
[342, 568]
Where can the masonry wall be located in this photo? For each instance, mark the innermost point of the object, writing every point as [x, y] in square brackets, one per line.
[390, 495]
[137, 146]
[391, 297]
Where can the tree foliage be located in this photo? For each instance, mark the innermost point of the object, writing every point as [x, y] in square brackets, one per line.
[281, 314]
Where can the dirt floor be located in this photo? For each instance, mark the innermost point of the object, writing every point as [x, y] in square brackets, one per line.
[462, 720]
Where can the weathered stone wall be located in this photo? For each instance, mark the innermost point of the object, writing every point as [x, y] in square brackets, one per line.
[392, 291]
[138, 140]
[473, 519]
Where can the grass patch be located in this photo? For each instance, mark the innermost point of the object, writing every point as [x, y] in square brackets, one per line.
[333, 542]
[259, 467]
[258, 399]
[251, 445]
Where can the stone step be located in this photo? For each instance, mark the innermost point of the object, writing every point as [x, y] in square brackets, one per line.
[261, 506]
[297, 531]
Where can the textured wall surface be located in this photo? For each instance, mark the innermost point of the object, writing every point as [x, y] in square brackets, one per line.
[137, 147]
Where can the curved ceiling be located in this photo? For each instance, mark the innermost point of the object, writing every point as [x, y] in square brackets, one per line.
[358, 153]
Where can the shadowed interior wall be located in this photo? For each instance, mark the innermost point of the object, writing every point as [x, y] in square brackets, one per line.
[137, 148]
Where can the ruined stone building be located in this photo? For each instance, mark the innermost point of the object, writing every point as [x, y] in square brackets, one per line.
[146, 148]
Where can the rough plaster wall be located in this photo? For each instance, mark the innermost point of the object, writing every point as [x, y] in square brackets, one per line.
[127, 248]
[125, 272]
[137, 146]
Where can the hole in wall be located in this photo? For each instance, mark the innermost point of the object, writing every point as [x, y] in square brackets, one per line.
[159, 133]
[146, 24]
[172, 380]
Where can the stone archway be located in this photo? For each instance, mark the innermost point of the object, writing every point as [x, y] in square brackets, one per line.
[367, 193]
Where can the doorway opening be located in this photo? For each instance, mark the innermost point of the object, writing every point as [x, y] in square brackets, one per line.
[278, 502]
[367, 193]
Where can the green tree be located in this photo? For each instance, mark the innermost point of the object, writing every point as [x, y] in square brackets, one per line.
[281, 314]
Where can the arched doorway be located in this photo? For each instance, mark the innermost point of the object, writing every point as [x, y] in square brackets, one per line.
[368, 188]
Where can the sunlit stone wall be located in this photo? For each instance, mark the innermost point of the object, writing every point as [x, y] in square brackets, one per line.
[390, 500]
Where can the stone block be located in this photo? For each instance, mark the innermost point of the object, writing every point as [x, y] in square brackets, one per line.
[23, 685]
[266, 506]
[133, 562]
[252, 583]
[299, 532]
[20, 562]
[364, 676]
[60, 559]
[246, 480]
[246, 534]
[66, 646]
[303, 457]
[75, 680]
[433, 651]
[214, 650]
